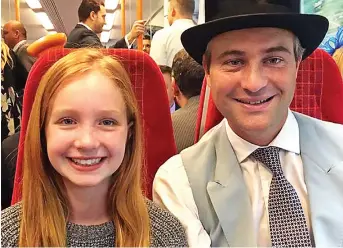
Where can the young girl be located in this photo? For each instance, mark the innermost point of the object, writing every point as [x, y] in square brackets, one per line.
[83, 163]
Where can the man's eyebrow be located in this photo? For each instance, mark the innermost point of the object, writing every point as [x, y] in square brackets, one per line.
[277, 49]
[231, 52]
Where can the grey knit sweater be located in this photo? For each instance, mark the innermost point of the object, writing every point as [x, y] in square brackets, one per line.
[166, 230]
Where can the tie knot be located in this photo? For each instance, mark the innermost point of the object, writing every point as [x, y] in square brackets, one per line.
[270, 157]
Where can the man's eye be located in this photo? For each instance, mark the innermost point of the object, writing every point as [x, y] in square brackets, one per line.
[233, 62]
[274, 60]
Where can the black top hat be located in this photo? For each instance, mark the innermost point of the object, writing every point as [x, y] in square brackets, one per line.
[227, 15]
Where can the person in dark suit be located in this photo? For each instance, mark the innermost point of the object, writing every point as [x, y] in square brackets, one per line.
[13, 77]
[92, 15]
[9, 153]
[14, 34]
[187, 82]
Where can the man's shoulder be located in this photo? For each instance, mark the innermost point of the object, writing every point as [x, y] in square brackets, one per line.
[80, 30]
[160, 34]
[179, 114]
[209, 137]
[322, 134]
[10, 225]
[319, 126]
[81, 36]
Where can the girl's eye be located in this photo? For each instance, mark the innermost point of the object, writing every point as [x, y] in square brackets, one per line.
[67, 121]
[108, 122]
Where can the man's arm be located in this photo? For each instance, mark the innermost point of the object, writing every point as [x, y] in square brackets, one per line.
[137, 29]
[158, 48]
[120, 44]
[171, 190]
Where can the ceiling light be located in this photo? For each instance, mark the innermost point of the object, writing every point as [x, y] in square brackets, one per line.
[109, 21]
[105, 36]
[45, 21]
[111, 4]
[34, 4]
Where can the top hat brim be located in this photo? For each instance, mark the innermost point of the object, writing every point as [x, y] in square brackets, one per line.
[310, 29]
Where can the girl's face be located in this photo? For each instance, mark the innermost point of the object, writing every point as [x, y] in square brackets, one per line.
[87, 130]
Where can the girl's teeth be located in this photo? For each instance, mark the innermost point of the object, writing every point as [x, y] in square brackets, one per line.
[86, 162]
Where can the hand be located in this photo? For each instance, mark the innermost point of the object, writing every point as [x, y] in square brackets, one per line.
[138, 28]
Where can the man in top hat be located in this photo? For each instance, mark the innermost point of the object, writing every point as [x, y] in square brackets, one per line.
[264, 176]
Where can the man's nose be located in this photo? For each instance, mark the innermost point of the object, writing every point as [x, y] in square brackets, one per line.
[254, 79]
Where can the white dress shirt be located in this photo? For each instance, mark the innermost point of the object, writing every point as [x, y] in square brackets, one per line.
[167, 42]
[172, 189]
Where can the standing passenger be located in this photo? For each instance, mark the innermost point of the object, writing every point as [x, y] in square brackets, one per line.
[166, 42]
[92, 18]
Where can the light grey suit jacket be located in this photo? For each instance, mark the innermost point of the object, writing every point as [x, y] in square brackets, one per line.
[24, 58]
[222, 198]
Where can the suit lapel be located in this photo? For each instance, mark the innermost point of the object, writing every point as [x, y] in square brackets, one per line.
[322, 171]
[229, 195]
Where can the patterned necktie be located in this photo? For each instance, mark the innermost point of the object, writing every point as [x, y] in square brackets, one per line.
[287, 221]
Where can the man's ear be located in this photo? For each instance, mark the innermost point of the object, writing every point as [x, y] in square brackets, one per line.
[173, 12]
[206, 69]
[93, 16]
[176, 88]
[17, 33]
[298, 64]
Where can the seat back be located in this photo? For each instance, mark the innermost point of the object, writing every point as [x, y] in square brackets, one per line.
[149, 87]
[318, 93]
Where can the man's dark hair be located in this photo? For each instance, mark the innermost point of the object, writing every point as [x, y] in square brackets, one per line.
[188, 74]
[185, 7]
[146, 37]
[87, 6]
[165, 69]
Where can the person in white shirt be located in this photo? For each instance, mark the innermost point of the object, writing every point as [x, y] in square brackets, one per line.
[15, 35]
[264, 176]
[166, 42]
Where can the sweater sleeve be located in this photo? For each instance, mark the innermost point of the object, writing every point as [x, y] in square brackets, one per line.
[10, 222]
[166, 229]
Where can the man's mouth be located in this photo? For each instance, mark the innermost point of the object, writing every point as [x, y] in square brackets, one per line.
[255, 102]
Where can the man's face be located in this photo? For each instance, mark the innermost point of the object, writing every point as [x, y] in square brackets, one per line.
[252, 78]
[10, 36]
[146, 45]
[170, 91]
[100, 20]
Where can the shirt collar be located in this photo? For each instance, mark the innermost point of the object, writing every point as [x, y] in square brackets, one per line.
[85, 25]
[182, 21]
[16, 47]
[172, 108]
[287, 139]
